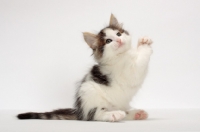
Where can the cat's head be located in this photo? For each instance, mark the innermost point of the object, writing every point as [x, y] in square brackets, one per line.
[109, 42]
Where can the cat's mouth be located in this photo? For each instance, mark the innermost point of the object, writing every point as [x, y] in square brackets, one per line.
[120, 44]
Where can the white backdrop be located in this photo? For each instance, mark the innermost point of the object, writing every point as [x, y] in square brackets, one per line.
[43, 55]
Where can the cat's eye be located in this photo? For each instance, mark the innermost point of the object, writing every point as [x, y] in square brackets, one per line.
[108, 41]
[119, 34]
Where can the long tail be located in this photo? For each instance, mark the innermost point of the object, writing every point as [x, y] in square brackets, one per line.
[61, 114]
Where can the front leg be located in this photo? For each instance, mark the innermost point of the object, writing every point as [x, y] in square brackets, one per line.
[144, 51]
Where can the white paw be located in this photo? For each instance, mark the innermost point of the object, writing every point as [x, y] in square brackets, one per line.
[140, 115]
[144, 40]
[116, 116]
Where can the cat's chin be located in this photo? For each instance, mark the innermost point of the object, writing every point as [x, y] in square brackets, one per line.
[121, 52]
[123, 48]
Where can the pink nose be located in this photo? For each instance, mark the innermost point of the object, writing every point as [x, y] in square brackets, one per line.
[119, 41]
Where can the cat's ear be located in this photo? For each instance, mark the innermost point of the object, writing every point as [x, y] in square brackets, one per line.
[114, 21]
[90, 39]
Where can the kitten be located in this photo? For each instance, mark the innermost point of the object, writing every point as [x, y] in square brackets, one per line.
[106, 91]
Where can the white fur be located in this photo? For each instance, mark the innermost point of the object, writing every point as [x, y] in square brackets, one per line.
[126, 67]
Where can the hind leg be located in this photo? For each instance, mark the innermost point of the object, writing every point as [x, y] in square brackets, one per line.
[136, 115]
[99, 109]
[94, 104]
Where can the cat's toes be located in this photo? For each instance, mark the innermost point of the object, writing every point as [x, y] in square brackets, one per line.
[117, 116]
[145, 40]
[140, 115]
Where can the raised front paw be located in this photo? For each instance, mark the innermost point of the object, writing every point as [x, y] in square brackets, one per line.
[144, 40]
